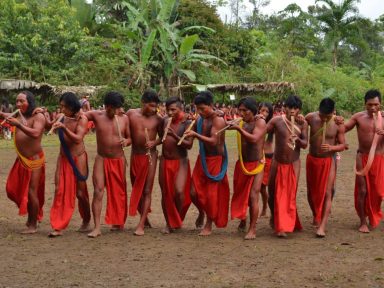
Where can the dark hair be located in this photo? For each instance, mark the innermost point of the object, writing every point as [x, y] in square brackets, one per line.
[270, 110]
[371, 94]
[31, 102]
[114, 99]
[173, 100]
[70, 99]
[293, 101]
[327, 106]
[249, 103]
[204, 97]
[150, 96]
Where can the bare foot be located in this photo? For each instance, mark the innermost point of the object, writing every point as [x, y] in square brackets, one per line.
[147, 224]
[364, 228]
[320, 233]
[281, 235]
[29, 230]
[315, 223]
[250, 235]
[263, 213]
[84, 227]
[167, 230]
[116, 228]
[139, 232]
[55, 234]
[199, 221]
[95, 233]
[205, 232]
[272, 223]
[242, 225]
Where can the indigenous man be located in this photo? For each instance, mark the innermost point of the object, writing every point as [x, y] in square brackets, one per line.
[112, 134]
[285, 168]
[266, 109]
[210, 188]
[26, 181]
[72, 167]
[248, 174]
[326, 138]
[369, 187]
[145, 125]
[174, 170]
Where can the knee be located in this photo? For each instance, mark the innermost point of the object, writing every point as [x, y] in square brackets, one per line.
[80, 194]
[147, 192]
[98, 194]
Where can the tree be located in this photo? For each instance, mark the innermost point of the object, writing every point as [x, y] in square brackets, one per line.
[337, 22]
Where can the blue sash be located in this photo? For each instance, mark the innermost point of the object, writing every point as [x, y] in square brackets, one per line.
[224, 165]
[69, 157]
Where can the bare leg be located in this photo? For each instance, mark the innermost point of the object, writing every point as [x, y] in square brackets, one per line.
[200, 218]
[166, 229]
[33, 202]
[327, 202]
[264, 196]
[81, 194]
[98, 185]
[207, 230]
[271, 192]
[242, 225]
[254, 206]
[361, 197]
[146, 197]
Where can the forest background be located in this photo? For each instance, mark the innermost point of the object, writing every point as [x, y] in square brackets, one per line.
[130, 45]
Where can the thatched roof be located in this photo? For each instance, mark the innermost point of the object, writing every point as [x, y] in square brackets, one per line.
[45, 88]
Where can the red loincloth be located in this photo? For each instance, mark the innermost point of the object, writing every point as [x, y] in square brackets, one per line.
[116, 184]
[318, 170]
[375, 189]
[90, 125]
[285, 211]
[139, 172]
[212, 197]
[170, 170]
[242, 185]
[63, 204]
[17, 187]
[267, 169]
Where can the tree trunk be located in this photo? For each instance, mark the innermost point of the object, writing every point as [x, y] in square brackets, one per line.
[334, 52]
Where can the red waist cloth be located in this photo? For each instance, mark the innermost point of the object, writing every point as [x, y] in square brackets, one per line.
[212, 197]
[116, 184]
[267, 169]
[285, 214]
[65, 195]
[242, 185]
[139, 172]
[375, 189]
[170, 171]
[17, 187]
[318, 170]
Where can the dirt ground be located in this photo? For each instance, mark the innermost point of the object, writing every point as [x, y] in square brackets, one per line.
[345, 258]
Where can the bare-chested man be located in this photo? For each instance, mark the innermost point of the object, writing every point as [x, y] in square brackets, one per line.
[26, 181]
[285, 168]
[266, 109]
[369, 187]
[145, 125]
[174, 170]
[210, 188]
[72, 167]
[326, 138]
[112, 134]
[248, 174]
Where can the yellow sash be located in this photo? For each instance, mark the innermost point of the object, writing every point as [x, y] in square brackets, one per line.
[28, 163]
[259, 167]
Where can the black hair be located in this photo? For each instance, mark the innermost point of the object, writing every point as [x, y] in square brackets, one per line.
[173, 100]
[327, 106]
[150, 96]
[114, 99]
[270, 110]
[371, 94]
[31, 102]
[293, 101]
[70, 99]
[204, 97]
[249, 103]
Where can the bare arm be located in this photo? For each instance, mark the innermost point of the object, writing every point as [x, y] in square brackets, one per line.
[257, 133]
[351, 123]
[303, 139]
[37, 128]
[271, 125]
[217, 124]
[127, 132]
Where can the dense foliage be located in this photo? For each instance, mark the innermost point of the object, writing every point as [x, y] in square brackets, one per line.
[131, 45]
